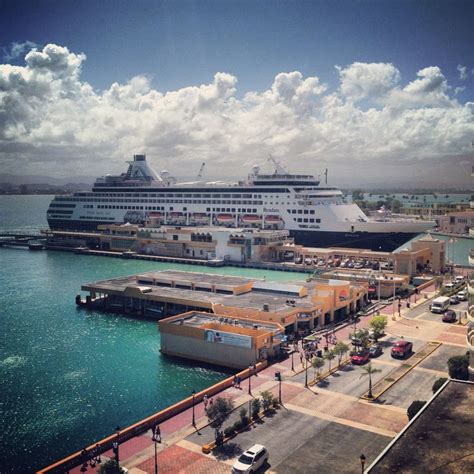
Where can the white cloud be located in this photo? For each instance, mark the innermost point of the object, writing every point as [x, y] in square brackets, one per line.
[364, 80]
[52, 122]
[462, 72]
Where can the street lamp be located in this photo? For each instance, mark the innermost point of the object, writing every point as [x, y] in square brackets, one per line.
[194, 416]
[306, 375]
[250, 380]
[115, 445]
[362, 462]
[278, 378]
[292, 364]
[156, 438]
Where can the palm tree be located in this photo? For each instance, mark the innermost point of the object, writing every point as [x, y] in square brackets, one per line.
[340, 349]
[317, 363]
[329, 356]
[369, 370]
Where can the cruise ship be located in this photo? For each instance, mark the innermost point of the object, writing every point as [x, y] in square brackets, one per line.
[315, 215]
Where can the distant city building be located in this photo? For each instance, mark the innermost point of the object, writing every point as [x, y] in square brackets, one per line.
[456, 222]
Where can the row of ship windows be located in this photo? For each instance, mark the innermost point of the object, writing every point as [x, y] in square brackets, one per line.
[300, 211]
[181, 195]
[306, 220]
[171, 201]
[162, 208]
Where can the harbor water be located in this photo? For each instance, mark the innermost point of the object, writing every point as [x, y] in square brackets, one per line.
[70, 376]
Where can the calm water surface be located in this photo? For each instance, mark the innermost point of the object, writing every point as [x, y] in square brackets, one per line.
[70, 376]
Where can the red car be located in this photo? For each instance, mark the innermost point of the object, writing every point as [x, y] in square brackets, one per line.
[402, 349]
[360, 358]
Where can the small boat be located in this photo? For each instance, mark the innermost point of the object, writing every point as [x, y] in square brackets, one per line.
[251, 219]
[272, 219]
[226, 218]
[155, 214]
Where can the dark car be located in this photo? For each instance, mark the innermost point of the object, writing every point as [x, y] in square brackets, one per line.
[402, 349]
[360, 358]
[375, 351]
[449, 316]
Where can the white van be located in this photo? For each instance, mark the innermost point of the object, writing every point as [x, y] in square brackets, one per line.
[440, 304]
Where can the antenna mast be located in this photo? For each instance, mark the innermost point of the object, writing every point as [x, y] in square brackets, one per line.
[201, 169]
[326, 176]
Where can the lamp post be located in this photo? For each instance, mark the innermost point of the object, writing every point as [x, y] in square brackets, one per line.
[250, 380]
[362, 463]
[306, 374]
[278, 378]
[393, 300]
[156, 438]
[194, 415]
[292, 364]
[115, 445]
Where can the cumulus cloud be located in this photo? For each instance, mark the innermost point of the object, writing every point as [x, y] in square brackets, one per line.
[363, 80]
[53, 121]
[462, 72]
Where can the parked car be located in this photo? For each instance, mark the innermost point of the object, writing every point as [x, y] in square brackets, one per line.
[449, 316]
[459, 278]
[401, 349]
[359, 265]
[360, 358]
[375, 350]
[462, 296]
[251, 460]
[453, 299]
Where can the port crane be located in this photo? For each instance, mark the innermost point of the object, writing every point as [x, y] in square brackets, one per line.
[201, 169]
[279, 169]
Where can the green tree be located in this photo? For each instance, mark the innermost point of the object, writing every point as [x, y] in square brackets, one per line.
[458, 367]
[243, 416]
[111, 467]
[438, 384]
[357, 195]
[267, 400]
[340, 349]
[369, 370]
[360, 338]
[378, 325]
[414, 408]
[218, 412]
[256, 407]
[330, 356]
[317, 363]
[396, 205]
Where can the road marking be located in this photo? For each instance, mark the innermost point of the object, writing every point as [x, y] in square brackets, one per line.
[342, 421]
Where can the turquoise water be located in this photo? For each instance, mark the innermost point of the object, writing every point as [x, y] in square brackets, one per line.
[70, 376]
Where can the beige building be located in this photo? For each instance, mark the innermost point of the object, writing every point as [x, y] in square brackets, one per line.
[230, 342]
[295, 306]
[456, 222]
[425, 255]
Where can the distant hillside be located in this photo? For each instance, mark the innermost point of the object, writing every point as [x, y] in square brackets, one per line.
[30, 179]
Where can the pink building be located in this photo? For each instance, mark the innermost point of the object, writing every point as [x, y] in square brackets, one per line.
[456, 222]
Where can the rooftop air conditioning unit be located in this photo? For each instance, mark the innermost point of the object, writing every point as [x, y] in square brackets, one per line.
[266, 307]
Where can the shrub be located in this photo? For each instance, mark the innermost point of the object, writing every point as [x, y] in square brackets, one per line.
[275, 403]
[243, 417]
[438, 383]
[111, 467]
[414, 408]
[229, 431]
[458, 367]
[256, 407]
[238, 425]
[267, 400]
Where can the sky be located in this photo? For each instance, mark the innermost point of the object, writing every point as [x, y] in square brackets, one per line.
[379, 92]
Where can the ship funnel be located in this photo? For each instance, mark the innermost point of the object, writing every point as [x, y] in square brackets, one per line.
[139, 157]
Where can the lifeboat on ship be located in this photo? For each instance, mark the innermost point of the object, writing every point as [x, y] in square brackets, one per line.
[225, 218]
[272, 219]
[251, 219]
